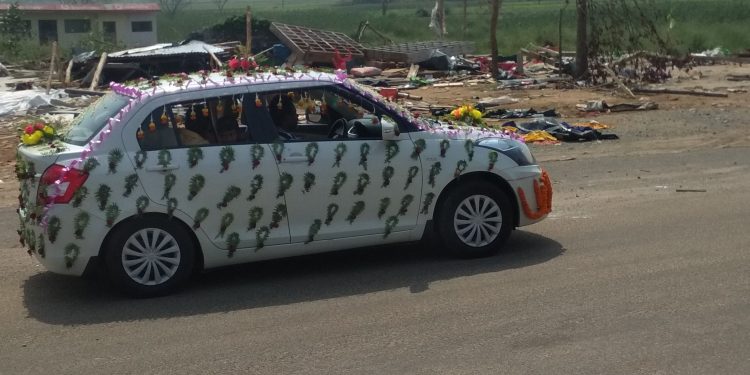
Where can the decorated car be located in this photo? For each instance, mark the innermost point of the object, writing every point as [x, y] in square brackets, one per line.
[160, 179]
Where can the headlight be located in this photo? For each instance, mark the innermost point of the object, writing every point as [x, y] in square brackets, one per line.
[515, 150]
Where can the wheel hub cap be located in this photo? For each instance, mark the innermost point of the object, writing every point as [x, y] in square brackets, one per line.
[151, 256]
[477, 220]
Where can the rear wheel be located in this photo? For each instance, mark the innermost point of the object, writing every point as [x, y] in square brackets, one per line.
[150, 257]
[475, 220]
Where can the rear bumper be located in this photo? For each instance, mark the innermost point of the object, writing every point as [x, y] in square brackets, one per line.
[66, 255]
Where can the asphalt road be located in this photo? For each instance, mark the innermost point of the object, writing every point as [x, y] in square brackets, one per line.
[628, 276]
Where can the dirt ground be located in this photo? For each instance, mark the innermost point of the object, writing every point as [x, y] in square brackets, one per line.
[681, 123]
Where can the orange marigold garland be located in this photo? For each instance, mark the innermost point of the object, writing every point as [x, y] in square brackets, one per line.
[543, 196]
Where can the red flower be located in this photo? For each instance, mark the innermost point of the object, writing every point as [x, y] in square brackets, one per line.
[29, 130]
[39, 126]
[245, 63]
[234, 63]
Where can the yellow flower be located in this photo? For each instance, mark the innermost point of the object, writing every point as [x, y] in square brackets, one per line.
[476, 114]
[36, 137]
[25, 138]
[48, 130]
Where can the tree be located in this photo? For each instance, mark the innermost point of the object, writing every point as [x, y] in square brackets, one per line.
[495, 13]
[171, 7]
[582, 39]
[220, 4]
[13, 29]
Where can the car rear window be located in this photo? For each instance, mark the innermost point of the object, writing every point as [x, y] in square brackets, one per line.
[94, 118]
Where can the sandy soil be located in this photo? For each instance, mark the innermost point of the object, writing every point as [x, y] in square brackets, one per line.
[681, 123]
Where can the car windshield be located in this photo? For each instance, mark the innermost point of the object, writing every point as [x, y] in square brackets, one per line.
[94, 117]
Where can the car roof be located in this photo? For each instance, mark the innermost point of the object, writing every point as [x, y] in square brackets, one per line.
[200, 81]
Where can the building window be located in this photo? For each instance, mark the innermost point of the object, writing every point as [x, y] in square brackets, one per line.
[141, 26]
[77, 26]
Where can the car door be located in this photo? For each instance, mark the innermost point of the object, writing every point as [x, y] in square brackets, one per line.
[225, 189]
[343, 186]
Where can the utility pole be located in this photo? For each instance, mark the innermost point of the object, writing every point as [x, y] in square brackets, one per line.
[582, 39]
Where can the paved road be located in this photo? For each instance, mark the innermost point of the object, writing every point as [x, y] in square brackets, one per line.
[628, 276]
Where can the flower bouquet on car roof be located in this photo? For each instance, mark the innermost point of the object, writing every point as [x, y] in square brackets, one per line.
[468, 114]
[36, 133]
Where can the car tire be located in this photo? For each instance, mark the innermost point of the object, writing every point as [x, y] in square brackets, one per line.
[149, 257]
[474, 220]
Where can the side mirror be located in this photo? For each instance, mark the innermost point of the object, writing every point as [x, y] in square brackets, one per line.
[389, 129]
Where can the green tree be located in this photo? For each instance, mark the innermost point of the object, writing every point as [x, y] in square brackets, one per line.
[13, 29]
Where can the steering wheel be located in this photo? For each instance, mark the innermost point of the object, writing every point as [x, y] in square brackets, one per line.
[338, 129]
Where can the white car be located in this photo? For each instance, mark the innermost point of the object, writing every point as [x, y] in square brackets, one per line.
[157, 180]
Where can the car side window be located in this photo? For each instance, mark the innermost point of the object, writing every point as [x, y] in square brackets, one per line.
[319, 114]
[211, 121]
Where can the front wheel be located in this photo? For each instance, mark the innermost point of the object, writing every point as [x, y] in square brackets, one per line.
[475, 220]
[150, 257]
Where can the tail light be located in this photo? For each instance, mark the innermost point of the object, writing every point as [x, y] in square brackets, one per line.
[70, 180]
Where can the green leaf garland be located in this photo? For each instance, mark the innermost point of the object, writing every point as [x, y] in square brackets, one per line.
[493, 159]
[256, 154]
[339, 151]
[226, 155]
[111, 214]
[261, 235]
[338, 182]
[285, 182]
[229, 195]
[41, 247]
[405, 203]
[165, 157]
[255, 213]
[115, 156]
[278, 150]
[194, 155]
[427, 202]
[357, 209]
[331, 211]
[313, 231]
[469, 147]
[169, 181]
[278, 214]
[171, 207]
[390, 224]
[80, 222]
[419, 146]
[131, 181]
[388, 173]
[200, 215]
[196, 184]
[391, 150]
[311, 151]
[444, 146]
[90, 164]
[140, 158]
[102, 196]
[364, 150]
[255, 186]
[79, 196]
[309, 182]
[434, 171]
[233, 240]
[384, 203]
[71, 252]
[362, 182]
[460, 168]
[141, 204]
[226, 221]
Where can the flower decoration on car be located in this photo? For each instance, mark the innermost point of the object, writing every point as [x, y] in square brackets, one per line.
[36, 133]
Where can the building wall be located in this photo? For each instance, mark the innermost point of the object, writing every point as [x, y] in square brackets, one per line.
[123, 27]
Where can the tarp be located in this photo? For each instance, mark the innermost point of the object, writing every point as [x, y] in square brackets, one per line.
[19, 102]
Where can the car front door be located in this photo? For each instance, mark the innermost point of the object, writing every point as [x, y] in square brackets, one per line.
[226, 189]
[343, 182]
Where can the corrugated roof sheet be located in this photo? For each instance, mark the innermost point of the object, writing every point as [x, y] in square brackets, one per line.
[130, 7]
[166, 49]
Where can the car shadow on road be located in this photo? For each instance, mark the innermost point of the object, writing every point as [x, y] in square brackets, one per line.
[64, 300]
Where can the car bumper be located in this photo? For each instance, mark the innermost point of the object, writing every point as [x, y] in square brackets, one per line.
[533, 191]
[67, 255]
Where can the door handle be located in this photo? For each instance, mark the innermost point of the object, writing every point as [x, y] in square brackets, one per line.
[294, 159]
[162, 168]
